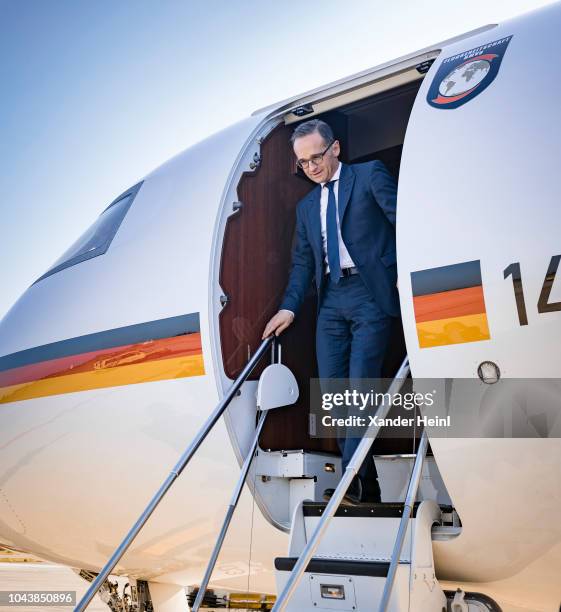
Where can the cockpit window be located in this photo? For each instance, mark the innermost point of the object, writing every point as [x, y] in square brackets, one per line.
[97, 238]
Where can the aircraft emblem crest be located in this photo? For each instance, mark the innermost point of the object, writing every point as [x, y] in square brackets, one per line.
[465, 75]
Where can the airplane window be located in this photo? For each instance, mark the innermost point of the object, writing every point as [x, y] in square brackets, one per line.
[96, 239]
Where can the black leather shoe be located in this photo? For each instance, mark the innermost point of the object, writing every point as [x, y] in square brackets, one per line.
[351, 498]
[371, 493]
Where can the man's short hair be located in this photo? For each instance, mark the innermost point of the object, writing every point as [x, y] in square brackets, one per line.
[312, 126]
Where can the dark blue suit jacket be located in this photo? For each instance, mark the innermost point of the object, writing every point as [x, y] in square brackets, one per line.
[367, 207]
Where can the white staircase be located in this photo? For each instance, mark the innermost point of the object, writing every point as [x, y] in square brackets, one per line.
[349, 568]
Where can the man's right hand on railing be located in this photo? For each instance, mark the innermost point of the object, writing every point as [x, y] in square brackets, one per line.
[278, 323]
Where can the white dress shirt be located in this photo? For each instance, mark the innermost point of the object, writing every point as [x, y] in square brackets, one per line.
[344, 257]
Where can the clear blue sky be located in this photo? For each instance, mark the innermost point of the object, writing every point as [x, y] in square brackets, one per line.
[95, 94]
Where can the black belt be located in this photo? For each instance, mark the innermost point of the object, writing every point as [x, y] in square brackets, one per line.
[348, 271]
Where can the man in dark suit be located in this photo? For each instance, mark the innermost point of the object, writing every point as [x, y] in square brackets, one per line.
[345, 237]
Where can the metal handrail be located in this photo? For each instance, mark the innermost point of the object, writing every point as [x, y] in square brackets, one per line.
[352, 469]
[407, 509]
[175, 472]
[229, 514]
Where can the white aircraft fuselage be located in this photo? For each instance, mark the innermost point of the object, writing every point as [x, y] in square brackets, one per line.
[111, 362]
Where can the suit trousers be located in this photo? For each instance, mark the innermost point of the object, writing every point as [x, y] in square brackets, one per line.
[351, 340]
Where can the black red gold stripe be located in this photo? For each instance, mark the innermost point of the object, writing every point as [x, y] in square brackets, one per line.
[155, 350]
[449, 305]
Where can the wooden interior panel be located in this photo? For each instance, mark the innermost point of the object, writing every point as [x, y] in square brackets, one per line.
[256, 257]
[257, 248]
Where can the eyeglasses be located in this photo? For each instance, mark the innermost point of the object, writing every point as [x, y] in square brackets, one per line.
[314, 159]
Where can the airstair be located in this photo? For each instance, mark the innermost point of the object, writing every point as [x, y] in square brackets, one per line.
[370, 557]
[374, 557]
[352, 564]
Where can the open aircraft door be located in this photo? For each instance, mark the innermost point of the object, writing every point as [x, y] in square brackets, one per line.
[478, 184]
[478, 251]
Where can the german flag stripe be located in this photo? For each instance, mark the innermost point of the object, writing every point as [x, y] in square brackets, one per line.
[446, 278]
[105, 359]
[457, 330]
[447, 304]
[120, 336]
[166, 369]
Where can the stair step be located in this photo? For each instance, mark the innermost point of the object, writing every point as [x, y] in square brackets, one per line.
[365, 530]
[378, 510]
[342, 565]
[350, 557]
[336, 567]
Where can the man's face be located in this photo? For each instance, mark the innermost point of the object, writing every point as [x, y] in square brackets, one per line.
[306, 147]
